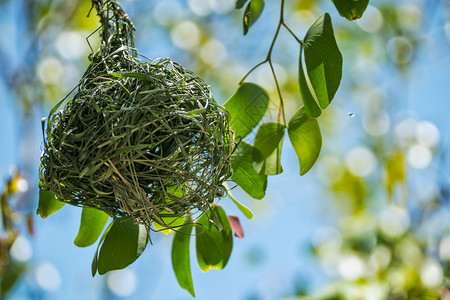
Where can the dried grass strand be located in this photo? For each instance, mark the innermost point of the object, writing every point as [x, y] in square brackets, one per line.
[140, 139]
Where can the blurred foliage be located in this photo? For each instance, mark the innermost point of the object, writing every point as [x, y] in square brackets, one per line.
[390, 240]
[37, 73]
[11, 269]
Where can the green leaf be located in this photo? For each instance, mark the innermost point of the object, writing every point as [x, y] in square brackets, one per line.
[323, 60]
[247, 106]
[213, 246]
[351, 10]
[94, 266]
[252, 13]
[123, 244]
[312, 108]
[245, 175]
[240, 4]
[180, 256]
[171, 222]
[92, 223]
[244, 209]
[304, 134]
[48, 204]
[267, 148]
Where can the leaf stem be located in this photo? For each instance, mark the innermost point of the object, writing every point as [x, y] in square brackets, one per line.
[269, 54]
[281, 107]
[269, 60]
[293, 34]
[252, 69]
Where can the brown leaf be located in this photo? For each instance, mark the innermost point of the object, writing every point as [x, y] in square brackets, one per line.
[236, 226]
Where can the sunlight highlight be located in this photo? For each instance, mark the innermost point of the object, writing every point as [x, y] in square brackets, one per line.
[71, 44]
[376, 124]
[431, 273]
[167, 12]
[47, 277]
[361, 161]
[213, 53]
[428, 134]
[50, 70]
[122, 283]
[199, 7]
[222, 6]
[419, 156]
[351, 267]
[21, 249]
[400, 50]
[185, 35]
[394, 221]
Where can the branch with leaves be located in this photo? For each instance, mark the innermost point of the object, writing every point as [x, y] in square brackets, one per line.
[323, 62]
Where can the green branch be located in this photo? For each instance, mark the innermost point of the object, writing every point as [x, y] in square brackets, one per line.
[269, 60]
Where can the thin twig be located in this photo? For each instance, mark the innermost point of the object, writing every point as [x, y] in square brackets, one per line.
[281, 107]
[118, 173]
[269, 60]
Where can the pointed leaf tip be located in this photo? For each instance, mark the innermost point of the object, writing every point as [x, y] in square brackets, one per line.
[213, 246]
[244, 209]
[351, 10]
[180, 256]
[48, 203]
[94, 267]
[252, 12]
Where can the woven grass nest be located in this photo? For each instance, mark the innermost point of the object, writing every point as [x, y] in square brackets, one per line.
[140, 139]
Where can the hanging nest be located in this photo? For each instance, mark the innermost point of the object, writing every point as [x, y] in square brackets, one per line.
[139, 139]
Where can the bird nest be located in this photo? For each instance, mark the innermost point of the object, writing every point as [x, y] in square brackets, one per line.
[139, 139]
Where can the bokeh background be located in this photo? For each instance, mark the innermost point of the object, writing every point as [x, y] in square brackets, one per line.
[370, 221]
